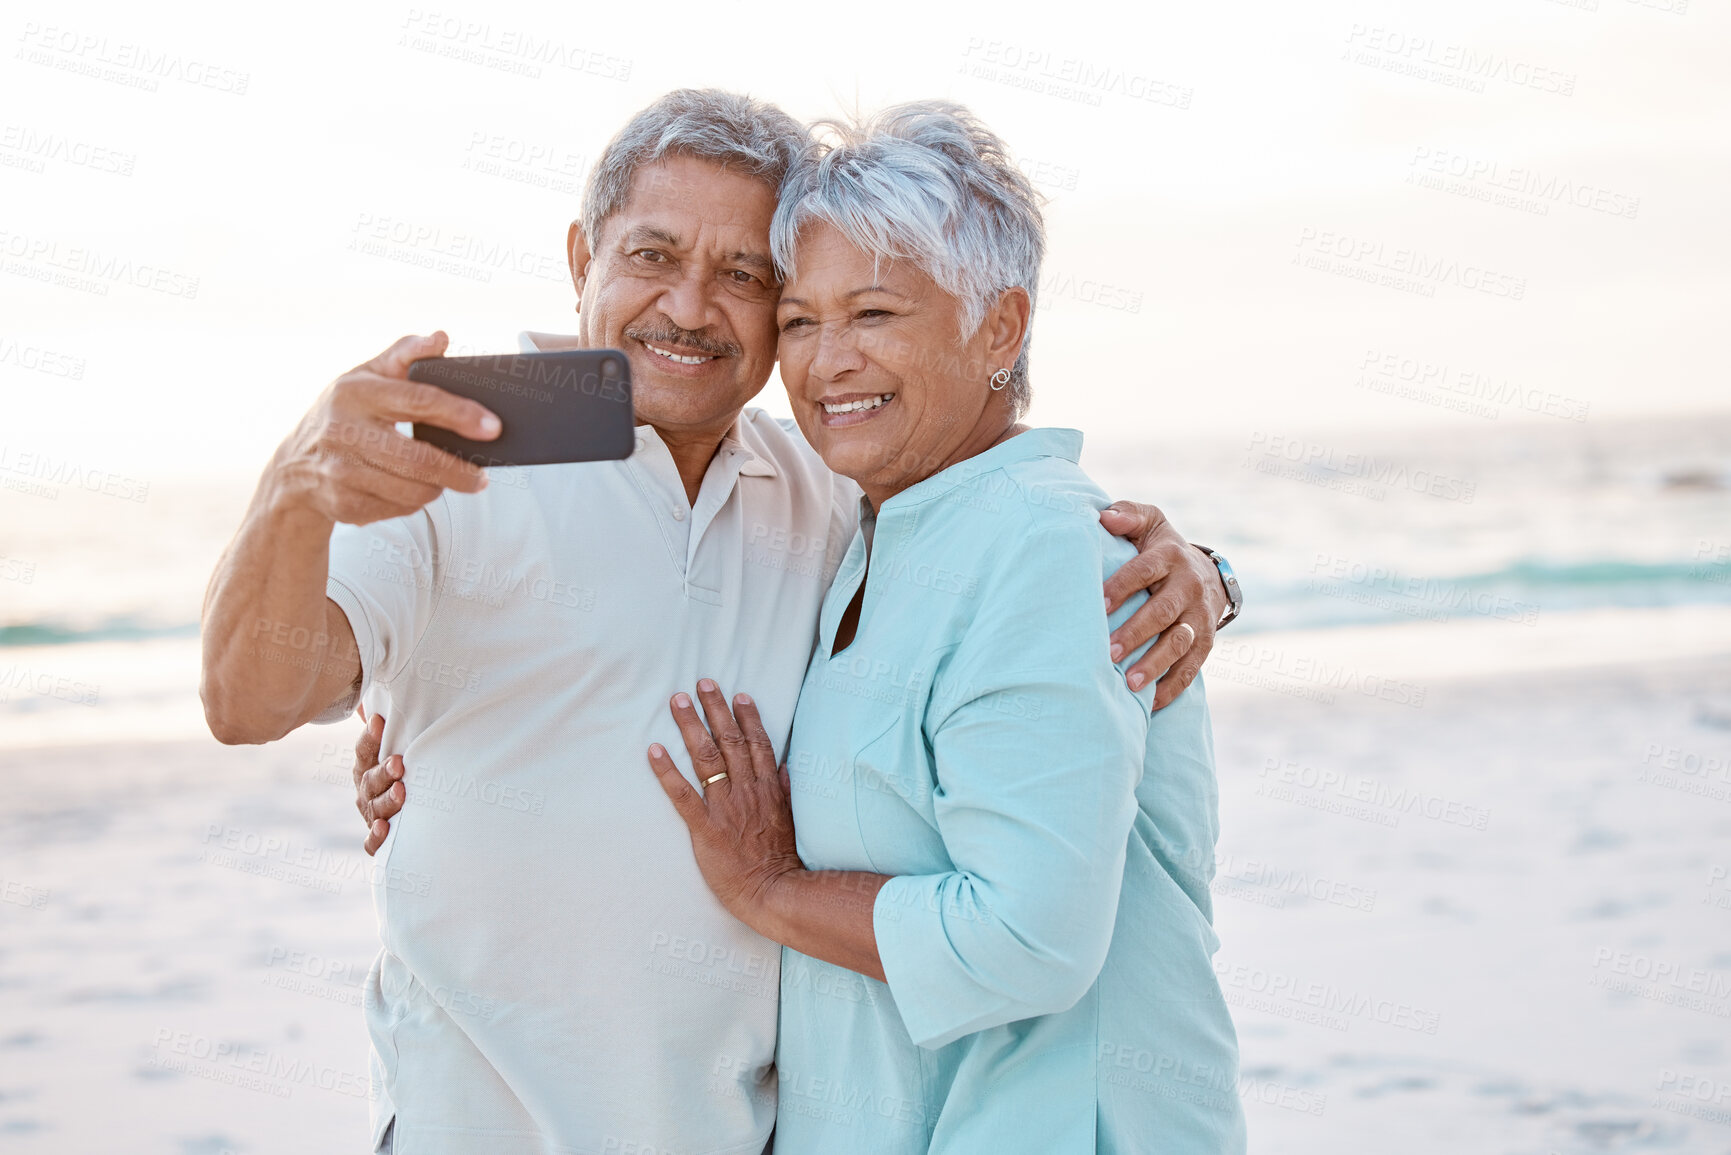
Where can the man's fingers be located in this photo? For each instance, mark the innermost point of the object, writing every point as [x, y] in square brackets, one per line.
[366, 481]
[419, 461]
[1179, 677]
[1144, 571]
[1161, 656]
[1176, 680]
[431, 405]
[1152, 617]
[685, 800]
[360, 494]
[405, 351]
[1133, 520]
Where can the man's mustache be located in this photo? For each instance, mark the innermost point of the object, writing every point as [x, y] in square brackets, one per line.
[671, 334]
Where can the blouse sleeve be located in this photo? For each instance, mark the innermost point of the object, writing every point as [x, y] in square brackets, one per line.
[1038, 748]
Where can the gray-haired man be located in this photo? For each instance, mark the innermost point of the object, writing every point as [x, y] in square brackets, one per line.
[555, 975]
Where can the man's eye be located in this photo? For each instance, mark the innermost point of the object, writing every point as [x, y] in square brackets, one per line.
[741, 277]
[650, 255]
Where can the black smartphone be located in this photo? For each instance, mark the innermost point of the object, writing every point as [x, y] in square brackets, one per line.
[573, 405]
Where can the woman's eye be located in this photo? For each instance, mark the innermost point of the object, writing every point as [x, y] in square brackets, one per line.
[793, 323]
[873, 314]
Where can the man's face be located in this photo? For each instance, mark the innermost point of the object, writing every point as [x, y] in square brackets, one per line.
[681, 279]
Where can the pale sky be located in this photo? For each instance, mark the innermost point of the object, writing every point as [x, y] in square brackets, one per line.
[1228, 184]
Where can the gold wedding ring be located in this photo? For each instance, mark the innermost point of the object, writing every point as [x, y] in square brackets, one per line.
[714, 778]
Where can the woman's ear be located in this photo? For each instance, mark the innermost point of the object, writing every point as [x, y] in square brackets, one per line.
[1006, 326]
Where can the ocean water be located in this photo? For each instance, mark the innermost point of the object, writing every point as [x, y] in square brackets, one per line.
[1509, 522]
[101, 583]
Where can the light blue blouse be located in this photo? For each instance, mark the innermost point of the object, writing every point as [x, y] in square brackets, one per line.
[1047, 933]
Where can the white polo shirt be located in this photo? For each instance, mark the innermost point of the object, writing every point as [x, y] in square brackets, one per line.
[556, 976]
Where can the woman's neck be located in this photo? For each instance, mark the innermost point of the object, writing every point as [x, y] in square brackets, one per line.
[976, 444]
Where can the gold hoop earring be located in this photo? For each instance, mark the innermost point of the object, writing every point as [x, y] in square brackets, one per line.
[1000, 379]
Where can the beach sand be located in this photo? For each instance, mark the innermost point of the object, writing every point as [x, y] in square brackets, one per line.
[181, 948]
[1489, 920]
[1446, 928]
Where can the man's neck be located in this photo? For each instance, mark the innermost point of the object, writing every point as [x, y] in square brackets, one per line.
[692, 453]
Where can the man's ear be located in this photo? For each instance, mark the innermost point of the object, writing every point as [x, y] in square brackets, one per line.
[577, 253]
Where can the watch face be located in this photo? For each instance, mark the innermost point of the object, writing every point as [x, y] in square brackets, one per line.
[1234, 594]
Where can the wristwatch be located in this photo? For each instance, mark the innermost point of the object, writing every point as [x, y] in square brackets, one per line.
[1234, 592]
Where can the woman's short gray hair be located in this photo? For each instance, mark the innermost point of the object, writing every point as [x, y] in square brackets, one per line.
[733, 130]
[924, 182]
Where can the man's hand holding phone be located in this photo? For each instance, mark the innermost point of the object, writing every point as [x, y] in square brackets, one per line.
[347, 462]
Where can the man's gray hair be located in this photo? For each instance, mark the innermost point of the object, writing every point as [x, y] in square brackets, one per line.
[744, 135]
[928, 183]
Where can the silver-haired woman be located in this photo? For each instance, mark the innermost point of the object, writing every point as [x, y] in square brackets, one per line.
[994, 941]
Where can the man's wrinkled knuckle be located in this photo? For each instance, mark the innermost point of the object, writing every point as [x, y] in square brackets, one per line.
[345, 390]
[420, 398]
[342, 470]
[1161, 613]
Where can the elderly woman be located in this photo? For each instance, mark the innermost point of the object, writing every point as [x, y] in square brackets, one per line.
[996, 940]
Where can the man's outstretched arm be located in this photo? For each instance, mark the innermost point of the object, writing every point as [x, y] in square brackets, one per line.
[1186, 600]
[277, 651]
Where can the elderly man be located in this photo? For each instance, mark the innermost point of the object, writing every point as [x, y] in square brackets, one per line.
[555, 974]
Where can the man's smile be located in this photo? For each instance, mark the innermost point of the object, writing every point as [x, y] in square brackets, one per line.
[678, 358]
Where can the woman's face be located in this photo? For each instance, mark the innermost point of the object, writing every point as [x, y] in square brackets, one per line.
[880, 380]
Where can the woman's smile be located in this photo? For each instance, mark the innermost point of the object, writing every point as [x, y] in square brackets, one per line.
[844, 409]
